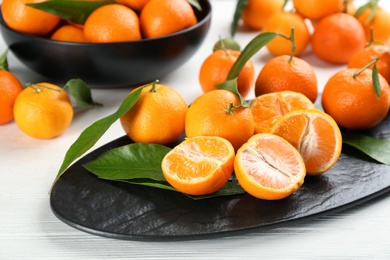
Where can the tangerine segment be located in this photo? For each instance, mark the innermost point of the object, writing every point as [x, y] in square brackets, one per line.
[268, 108]
[316, 136]
[199, 165]
[268, 167]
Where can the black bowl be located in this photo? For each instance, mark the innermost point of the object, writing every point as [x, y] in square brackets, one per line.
[109, 65]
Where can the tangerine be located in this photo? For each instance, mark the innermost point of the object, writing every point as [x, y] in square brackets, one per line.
[199, 165]
[268, 167]
[215, 69]
[280, 73]
[349, 97]
[379, 24]
[317, 9]
[364, 56]
[68, 33]
[112, 23]
[43, 110]
[219, 113]
[22, 18]
[338, 50]
[10, 87]
[162, 17]
[315, 135]
[134, 4]
[257, 12]
[158, 116]
[281, 23]
[268, 108]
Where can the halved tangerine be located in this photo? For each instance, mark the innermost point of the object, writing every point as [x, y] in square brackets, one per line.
[268, 167]
[199, 165]
[316, 136]
[268, 108]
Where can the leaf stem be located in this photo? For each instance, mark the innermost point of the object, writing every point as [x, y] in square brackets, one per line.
[153, 84]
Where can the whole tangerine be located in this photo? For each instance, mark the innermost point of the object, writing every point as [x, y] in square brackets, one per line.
[20, 17]
[349, 97]
[215, 69]
[337, 37]
[43, 110]
[162, 17]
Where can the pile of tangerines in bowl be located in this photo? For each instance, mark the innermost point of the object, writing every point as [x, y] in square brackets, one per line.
[107, 43]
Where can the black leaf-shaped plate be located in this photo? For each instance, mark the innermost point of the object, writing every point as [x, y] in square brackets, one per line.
[132, 212]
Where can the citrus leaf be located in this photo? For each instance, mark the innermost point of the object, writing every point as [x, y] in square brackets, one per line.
[250, 49]
[361, 9]
[151, 183]
[229, 189]
[132, 161]
[80, 91]
[241, 4]
[375, 81]
[91, 134]
[376, 148]
[4, 61]
[195, 4]
[374, 7]
[76, 11]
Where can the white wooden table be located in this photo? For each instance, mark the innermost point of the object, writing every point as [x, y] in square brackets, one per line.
[29, 230]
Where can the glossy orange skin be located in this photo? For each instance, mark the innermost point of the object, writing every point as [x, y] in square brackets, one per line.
[112, 23]
[337, 38]
[157, 117]
[20, 17]
[43, 111]
[352, 102]
[208, 116]
[278, 74]
[10, 87]
[162, 17]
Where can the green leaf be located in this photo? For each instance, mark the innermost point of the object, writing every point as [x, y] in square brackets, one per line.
[375, 81]
[80, 91]
[76, 11]
[361, 9]
[195, 4]
[241, 4]
[229, 189]
[92, 134]
[376, 148]
[151, 183]
[250, 49]
[132, 161]
[374, 7]
[4, 61]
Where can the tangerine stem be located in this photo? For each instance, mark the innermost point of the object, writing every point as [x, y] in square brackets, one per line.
[293, 46]
[229, 109]
[153, 84]
[365, 67]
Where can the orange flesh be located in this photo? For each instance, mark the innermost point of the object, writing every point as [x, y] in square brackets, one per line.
[271, 165]
[317, 140]
[193, 161]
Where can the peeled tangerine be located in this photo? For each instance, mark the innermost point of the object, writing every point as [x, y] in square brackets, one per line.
[269, 167]
[199, 165]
